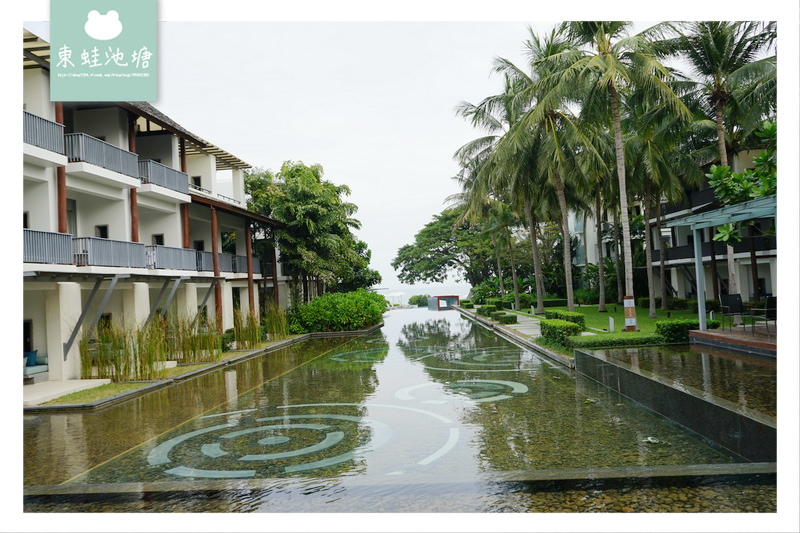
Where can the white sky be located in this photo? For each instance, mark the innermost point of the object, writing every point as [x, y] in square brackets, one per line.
[373, 103]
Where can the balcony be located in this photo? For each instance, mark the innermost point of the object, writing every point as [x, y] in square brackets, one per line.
[43, 133]
[165, 257]
[695, 199]
[205, 261]
[158, 174]
[94, 251]
[226, 262]
[241, 265]
[86, 149]
[687, 251]
[46, 247]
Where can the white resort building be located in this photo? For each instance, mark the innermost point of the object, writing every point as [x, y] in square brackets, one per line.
[123, 218]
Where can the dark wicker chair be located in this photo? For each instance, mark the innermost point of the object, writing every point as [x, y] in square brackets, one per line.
[731, 306]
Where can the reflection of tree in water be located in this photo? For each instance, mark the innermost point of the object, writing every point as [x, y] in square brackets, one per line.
[445, 339]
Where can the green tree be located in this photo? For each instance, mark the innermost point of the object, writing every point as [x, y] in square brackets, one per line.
[439, 250]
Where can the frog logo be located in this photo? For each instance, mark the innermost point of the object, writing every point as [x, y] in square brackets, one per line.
[103, 27]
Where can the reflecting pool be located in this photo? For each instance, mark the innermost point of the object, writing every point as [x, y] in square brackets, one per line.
[430, 413]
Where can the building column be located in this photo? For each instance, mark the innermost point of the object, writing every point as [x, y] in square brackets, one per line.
[225, 307]
[136, 304]
[62, 311]
[186, 300]
[61, 180]
[185, 224]
[215, 261]
[133, 194]
[274, 256]
[248, 237]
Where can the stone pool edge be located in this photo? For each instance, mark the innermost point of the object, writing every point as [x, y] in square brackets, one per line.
[510, 335]
[160, 384]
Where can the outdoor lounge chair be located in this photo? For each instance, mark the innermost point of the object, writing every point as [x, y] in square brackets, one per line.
[731, 306]
[767, 314]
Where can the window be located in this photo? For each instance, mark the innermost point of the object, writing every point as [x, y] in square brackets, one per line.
[196, 181]
[72, 217]
[158, 239]
[199, 245]
[101, 231]
[26, 220]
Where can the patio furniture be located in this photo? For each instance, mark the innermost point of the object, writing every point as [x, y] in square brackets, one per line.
[767, 314]
[731, 306]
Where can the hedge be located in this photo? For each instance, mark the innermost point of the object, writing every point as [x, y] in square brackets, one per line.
[487, 310]
[672, 303]
[678, 330]
[569, 316]
[340, 311]
[497, 314]
[467, 305]
[507, 318]
[558, 330]
[608, 340]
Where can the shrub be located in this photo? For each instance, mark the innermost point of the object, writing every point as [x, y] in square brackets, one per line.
[467, 305]
[466, 301]
[420, 300]
[674, 304]
[275, 322]
[507, 318]
[586, 296]
[228, 338]
[711, 305]
[487, 310]
[607, 340]
[497, 302]
[558, 330]
[678, 330]
[553, 302]
[496, 315]
[569, 316]
[341, 311]
[508, 301]
[526, 300]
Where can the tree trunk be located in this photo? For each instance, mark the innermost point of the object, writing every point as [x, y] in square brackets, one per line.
[648, 248]
[499, 266]
[618, 262]
[733, 286]
[513, 273]
[562, 202]
[305, 288]
[623, 195]
[662, 256]
[601, 271]
[537, 261]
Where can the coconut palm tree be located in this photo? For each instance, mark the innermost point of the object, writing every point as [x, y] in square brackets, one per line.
[595, 78]
[726, 59]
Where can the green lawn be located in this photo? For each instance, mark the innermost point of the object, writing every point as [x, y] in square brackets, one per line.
[97, 393]
[597, 320]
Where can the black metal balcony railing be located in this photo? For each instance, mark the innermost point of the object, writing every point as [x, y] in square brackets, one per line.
[171, 258]
[38, 131]
[82, 147]
[198, 188]
[686, 251]
[226, 262]
[696, 199]
[229, 199]
[158, 174]
[94, 251]
[205, 261]
[46, 247]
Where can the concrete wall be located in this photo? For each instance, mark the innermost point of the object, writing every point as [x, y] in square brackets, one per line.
[110, 124]
[162, 148]
[36, 93]
[205, 167]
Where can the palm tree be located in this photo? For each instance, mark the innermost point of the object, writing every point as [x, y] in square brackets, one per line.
[601, 73]
[724, 57]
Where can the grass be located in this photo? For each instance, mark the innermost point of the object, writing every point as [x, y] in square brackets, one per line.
[184, 369]
[596, 320]
[95, 394]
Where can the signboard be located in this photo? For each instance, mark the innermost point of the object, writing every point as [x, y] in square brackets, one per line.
[630, 312]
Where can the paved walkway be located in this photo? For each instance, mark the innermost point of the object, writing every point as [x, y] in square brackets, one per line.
[526, 325]
[39, 393]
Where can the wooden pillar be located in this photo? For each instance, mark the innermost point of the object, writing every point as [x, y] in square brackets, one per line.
[275, 277]
[185, 224]
[183, 154]
[133, 193]
[248, 236]
[61, 181]
[215, 261]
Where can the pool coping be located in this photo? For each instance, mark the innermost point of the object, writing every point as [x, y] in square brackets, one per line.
[160, 384]
[511, 335]
[545, 479]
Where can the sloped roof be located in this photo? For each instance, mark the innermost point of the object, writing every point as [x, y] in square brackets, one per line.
[765, 207]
